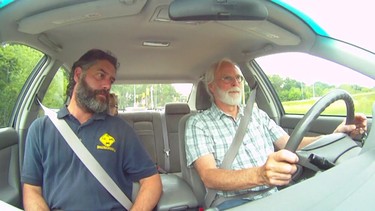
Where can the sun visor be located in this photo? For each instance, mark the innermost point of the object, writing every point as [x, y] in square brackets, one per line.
[205, 10]
[77, 13]
[267, 30]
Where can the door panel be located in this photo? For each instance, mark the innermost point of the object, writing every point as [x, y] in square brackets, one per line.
[321, 126]
[10, 188]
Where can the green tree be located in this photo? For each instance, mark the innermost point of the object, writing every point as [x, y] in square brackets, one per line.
[56, 92]
[16, 64]
[150, 96]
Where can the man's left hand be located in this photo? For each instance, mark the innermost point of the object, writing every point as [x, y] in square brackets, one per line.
[358, 128]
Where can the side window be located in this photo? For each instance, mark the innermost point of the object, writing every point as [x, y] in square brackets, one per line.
[16, 64]
[56, 92]
[300, 80]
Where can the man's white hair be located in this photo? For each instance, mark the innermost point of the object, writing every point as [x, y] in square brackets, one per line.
[209, 76]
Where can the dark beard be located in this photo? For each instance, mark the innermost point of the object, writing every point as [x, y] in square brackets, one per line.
[86, 98]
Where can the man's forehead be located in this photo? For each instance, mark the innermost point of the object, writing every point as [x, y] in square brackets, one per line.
[227, 67]
[105, 66]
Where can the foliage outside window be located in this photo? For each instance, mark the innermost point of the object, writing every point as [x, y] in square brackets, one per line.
[56, 93]
[16, 64]
[301, 79]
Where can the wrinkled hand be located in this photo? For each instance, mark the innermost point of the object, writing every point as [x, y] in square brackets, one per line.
[356, 129]
[279, 168]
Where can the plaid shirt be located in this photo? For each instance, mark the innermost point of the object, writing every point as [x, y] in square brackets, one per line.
[212, 131]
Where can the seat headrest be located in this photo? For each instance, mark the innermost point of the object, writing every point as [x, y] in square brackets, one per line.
[177, 108]
[203, 100]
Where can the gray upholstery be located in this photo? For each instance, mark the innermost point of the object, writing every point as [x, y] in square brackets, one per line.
[177, 108]
[177, 195]
[203, 101]
[148, 126]
[173, 113]
[149, 129]
[10, 189]
[190, 175]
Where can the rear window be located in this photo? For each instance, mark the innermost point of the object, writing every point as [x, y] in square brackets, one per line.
[136, 97]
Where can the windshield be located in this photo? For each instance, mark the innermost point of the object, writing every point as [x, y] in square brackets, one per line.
[349, 21]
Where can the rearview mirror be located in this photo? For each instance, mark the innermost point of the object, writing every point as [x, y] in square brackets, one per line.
[202, 10]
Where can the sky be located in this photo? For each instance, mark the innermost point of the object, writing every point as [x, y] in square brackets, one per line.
[343, 19]
[351, 21]
[337, 74]
[183, 88]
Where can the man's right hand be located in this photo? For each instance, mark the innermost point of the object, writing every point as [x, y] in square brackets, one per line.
[33, 198]
[279, 168]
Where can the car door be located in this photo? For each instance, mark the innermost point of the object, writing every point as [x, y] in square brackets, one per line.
[9, 162]
[16, 65]
[26, 73]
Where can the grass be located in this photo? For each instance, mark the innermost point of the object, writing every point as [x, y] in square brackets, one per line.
[363, 103]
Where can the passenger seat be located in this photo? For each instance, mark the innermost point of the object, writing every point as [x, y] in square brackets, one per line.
[172, 114]
[147, 124]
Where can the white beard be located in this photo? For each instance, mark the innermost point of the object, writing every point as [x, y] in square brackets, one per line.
[230, 98]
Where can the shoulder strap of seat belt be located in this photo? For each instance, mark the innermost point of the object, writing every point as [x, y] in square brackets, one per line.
[165, 141]
[87, 158]
[236, 143]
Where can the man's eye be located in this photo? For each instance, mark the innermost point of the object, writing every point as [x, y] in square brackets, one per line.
[100, 75]
[228, 78]
[239, 78]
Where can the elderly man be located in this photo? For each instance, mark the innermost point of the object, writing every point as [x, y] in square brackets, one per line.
[257, 168]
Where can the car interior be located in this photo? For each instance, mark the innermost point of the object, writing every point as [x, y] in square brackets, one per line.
[166, 41]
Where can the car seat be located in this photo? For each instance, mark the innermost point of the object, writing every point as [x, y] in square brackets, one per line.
[189, 174]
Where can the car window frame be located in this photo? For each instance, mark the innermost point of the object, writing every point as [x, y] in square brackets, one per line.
[25, 90]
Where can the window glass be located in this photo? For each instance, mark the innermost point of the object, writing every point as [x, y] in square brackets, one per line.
[149, 96]
[358, 15]
[16, 64]
[56, 93]
[301, 79]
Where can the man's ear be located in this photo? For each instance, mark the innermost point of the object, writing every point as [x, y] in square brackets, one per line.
[211, 88]
[77, 73]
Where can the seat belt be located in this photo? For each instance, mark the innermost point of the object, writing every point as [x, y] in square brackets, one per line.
[87, 158]
[236, 143]
[166, 142]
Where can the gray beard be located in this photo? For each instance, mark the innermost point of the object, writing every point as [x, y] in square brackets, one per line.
[86, 98]
[227, 99]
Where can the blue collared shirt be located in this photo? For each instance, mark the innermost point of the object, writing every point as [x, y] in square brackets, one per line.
[66, 182]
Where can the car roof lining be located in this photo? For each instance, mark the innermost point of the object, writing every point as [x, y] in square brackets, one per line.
[172, 63]
[78, 13]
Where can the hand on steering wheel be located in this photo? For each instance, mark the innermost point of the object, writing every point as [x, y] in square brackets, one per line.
[305, 123]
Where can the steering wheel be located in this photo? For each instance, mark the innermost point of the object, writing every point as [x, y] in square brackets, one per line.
[305, 123]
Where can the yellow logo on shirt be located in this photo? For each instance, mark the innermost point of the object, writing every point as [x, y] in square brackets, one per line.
[107, 141]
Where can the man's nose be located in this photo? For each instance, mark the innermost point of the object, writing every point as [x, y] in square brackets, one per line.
[107, 83]
[236, 82]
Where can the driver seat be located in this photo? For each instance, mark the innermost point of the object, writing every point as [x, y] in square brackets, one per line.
[190, 175]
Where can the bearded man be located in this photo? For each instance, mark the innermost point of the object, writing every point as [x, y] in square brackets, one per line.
[257, 168]
[53, 176]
